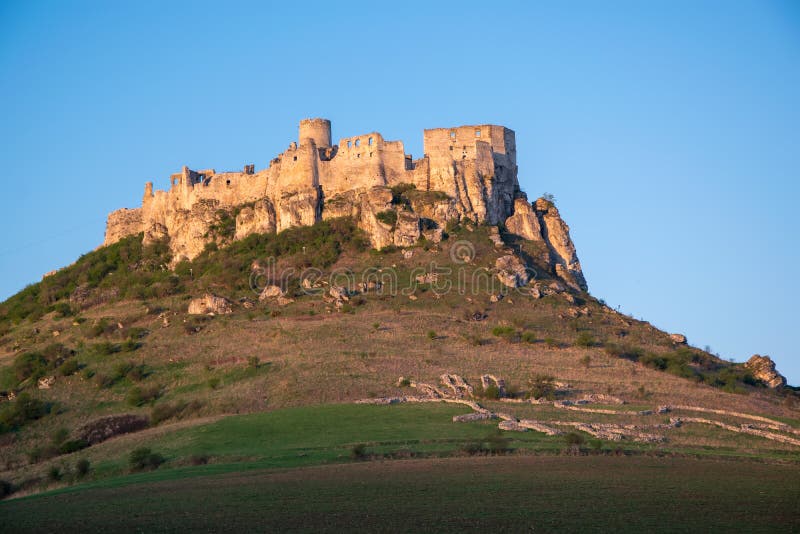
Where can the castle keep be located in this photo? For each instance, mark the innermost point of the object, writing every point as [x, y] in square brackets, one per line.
[465, 172]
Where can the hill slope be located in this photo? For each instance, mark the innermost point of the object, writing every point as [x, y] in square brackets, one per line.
[312, 316]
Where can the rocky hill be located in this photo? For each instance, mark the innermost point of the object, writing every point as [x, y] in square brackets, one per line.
[330, 279]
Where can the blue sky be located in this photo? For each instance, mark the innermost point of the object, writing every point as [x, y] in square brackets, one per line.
[668, 131]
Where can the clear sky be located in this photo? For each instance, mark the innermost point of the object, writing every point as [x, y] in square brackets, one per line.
[669, 132]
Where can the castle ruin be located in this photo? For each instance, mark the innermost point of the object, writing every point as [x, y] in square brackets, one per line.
[465, 172]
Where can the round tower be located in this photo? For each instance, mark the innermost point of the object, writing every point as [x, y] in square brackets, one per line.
[316, 130]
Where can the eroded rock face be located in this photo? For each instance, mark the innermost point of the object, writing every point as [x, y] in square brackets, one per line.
[524, 222]
[258, 219]
[555, 233]
[511, 271]
[406, 232]
[763, 369]
[210, 304]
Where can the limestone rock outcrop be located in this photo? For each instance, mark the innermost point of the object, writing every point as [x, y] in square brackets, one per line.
[511, 271]
[562, 251]
[210, 304]
[524, 222]
[256, 219]
[763, 369]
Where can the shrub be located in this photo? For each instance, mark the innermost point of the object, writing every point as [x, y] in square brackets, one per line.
[82, 467]
[144, 459]
[624, 351]
[30, 365]
[528, 337]
[542, 387]
[140, 396]
[253, 362]
[213, 382]
[388, 217]
[198, 459]
[62, 309]
[507, 333]
[358, 451]
[584, 340]
[431, 334]
[74, 445]
[164, 411]
[574, 441]
[6, 488]
[69, 367]
[586, 361]
[54, 473]
[105, 348]
[22, 410]
[137, 373]
[491, 392]
[550, 342]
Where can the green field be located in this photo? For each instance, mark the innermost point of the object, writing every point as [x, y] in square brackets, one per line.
[498, 494]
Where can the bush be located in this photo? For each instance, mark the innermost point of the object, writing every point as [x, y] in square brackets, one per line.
[82, 467]
[253, 362]
[22, 410]
[144, 459]
[528, 337]
[574, 441]
[584, 340]
[358, 452]
[140, 396]
[542, 387]
[213, 382]
[6, 488]
[30, 365]
[54, 473]
[431, 334]
[198, 459]
[62, 309]
[164, 411]
[69, 367]
[388, 217]
[627, 352]
[586, 361]
[73, 445]
[507, 333]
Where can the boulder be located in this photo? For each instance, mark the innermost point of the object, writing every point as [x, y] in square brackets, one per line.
[209, 303]
[270, 292]
[678, 338]
[763, 369]
[46, 382]
[511, 271]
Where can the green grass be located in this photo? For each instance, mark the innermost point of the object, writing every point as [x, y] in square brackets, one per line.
[498, 494]
[322, 434]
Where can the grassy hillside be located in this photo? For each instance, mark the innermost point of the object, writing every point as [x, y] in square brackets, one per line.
[113, 332]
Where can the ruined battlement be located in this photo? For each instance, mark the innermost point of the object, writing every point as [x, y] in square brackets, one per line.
[471, 169]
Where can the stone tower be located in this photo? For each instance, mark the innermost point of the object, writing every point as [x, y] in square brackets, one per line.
[316, 130]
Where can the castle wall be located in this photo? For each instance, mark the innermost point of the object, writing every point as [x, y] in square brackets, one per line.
[474, 165]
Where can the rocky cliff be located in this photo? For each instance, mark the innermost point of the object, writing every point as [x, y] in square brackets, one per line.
[467, 172]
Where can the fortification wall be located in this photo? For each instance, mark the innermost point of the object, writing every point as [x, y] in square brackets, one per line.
[474, 165]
